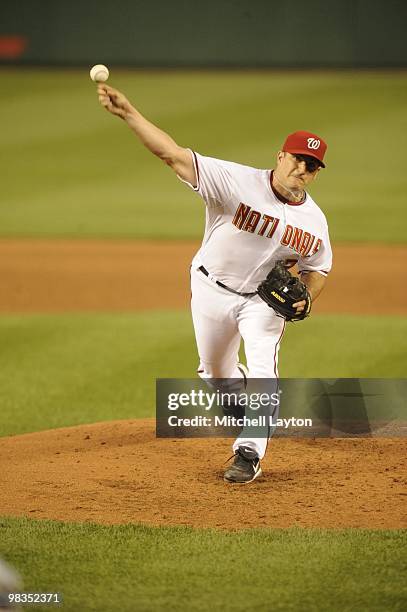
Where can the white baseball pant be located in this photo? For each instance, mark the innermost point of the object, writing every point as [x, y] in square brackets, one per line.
[221, 320]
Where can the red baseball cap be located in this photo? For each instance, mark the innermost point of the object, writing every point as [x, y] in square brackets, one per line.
[306, 143]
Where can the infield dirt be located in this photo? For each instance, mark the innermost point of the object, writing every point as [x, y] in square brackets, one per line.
[80, 275]
[118, 472]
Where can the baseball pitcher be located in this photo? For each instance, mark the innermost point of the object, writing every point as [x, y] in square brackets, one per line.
[259, 223]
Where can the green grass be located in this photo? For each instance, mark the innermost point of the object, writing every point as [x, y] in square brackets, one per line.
[134, 567]
[73, 170]
[70, 369]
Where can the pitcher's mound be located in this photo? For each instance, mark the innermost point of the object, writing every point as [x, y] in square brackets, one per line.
[118, 472]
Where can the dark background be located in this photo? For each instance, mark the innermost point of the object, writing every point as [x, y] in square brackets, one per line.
[241, 33]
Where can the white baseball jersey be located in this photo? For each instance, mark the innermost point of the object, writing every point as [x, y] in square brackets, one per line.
[249, 227]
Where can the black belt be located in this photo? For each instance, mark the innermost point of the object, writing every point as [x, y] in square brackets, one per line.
[205, 271]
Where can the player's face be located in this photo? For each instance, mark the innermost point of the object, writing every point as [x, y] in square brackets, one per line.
[296, 171]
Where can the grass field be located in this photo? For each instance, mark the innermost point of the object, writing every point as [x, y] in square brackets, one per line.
[70, 369]
[73, 170]
[180, 569]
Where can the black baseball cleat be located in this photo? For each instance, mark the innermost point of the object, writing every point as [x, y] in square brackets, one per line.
[245, 467]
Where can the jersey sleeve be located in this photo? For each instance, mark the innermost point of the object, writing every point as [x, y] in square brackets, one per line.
[213, 179]
[320, 257]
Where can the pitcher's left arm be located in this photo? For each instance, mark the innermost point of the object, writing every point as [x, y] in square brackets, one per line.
[315, 282]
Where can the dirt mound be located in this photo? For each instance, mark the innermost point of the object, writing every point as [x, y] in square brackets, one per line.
[118, 472]
[92, 275]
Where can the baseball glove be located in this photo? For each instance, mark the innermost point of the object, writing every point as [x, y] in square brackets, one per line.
[280, 290]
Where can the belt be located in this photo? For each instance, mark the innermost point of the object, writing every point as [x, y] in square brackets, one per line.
[205, 271]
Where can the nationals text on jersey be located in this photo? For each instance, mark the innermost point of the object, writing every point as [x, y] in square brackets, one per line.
[297, 239]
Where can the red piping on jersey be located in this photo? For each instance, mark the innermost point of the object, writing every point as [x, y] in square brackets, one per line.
[197, 169]
[275, 351]
[276, 375]
[281, 197]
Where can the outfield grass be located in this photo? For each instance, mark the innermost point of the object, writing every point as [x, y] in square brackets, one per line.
[73, 170]
[134, 567]
[69, 369]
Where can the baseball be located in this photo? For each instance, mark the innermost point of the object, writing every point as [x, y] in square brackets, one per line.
[99, 73]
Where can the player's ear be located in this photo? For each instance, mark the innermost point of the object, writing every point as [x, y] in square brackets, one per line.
[280, 156]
